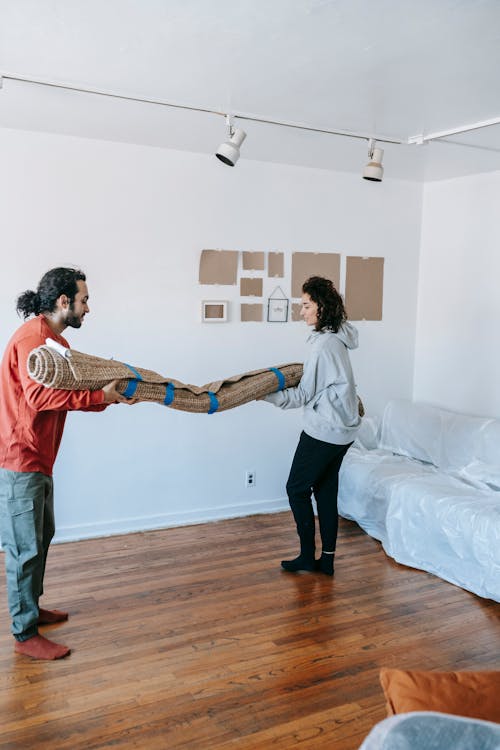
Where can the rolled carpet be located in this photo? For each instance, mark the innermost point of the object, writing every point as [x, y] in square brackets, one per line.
[55, 367]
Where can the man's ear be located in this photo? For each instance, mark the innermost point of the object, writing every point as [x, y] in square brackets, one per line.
[62, 302]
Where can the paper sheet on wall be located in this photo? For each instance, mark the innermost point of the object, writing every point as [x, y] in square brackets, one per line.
[276, 265]
[253, 261]
[364, 288]
[250, 287]
[305, 265]
[218, 266]
[251, 312]
[296, 311]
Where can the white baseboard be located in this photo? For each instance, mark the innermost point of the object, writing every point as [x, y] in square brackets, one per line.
[167, 520]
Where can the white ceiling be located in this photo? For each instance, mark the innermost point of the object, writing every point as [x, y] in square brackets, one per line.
[394, 68]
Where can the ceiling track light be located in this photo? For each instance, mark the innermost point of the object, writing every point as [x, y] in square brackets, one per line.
[229, 151]
[374, 170]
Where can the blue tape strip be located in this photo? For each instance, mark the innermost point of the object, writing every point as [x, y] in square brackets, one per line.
[214, 404]
[130, 389]
[280, 376]
[137, 375]
[132, 384]
[169, 394]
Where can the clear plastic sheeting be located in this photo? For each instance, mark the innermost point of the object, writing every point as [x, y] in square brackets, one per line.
[428, 730]
[367, 480]
[369, 433]
[430, 492]
[447, 440]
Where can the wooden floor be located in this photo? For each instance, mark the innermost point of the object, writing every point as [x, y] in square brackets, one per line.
[194, 638]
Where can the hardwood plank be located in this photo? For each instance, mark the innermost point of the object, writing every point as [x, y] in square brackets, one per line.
[194, 638]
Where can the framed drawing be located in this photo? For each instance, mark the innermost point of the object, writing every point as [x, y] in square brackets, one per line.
[277, 307]
[214, 311]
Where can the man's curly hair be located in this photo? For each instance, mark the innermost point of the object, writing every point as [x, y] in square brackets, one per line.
[331, 310]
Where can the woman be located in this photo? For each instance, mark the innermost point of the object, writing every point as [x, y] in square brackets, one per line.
[328, 394]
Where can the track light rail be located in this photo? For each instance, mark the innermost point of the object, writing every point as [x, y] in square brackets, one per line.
[412, 140]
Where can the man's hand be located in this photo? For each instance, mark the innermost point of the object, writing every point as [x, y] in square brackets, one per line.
[112, 396]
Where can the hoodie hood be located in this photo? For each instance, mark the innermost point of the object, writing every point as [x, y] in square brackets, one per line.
[348, 334]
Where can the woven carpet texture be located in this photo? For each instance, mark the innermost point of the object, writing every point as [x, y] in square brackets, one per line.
[79, 371]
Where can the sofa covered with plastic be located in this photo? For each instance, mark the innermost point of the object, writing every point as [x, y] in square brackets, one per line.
[426, 484]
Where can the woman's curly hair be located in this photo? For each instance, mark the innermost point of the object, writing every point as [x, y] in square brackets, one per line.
[331, 310]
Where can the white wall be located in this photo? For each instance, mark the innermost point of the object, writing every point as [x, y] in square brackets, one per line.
[135, 219]
[457, 361]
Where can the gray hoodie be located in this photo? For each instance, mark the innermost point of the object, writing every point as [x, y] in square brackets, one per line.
[326, 390]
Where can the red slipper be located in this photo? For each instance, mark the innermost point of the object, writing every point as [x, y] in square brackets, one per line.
[49, 616]
[39, 647]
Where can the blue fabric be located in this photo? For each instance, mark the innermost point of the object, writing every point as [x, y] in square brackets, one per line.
[137, 375]
[280, 376]
[432, 731]
[169, 394]
[214, 404]
[132, 384]
[130, 389]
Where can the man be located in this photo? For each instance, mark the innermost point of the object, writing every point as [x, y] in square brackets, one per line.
[31, 425]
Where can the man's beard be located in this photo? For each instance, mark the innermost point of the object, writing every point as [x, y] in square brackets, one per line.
[73, 321]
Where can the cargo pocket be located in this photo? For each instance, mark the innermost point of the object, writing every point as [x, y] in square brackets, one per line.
[19, 505]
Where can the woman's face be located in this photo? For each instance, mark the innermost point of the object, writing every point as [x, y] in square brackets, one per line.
[309, 310]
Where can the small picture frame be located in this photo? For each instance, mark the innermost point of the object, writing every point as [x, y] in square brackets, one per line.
[277, 310]
[214, 311]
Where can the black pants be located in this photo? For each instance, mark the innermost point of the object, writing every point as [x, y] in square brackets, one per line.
[315, 468]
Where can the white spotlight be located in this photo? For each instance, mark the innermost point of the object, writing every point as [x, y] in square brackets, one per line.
[229, 151]
[374, 170]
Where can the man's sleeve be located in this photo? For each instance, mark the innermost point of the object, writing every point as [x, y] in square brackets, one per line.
[41, 398]
[94, 407]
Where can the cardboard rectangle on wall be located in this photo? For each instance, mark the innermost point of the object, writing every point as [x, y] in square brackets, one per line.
[305, 265]
[251, 312]
[218, 266]
[250, 287]
[296, 311]
[276, 265]
[364, 288]
[253, 261]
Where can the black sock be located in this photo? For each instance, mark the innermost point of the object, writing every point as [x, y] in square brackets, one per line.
[325, 563]
[302, 562]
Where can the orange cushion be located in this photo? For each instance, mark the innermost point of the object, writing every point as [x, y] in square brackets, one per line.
[473, 694]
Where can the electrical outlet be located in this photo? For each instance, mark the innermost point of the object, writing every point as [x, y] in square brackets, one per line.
[250, 479]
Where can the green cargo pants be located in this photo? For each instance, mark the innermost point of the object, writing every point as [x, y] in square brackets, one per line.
[26, 529]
